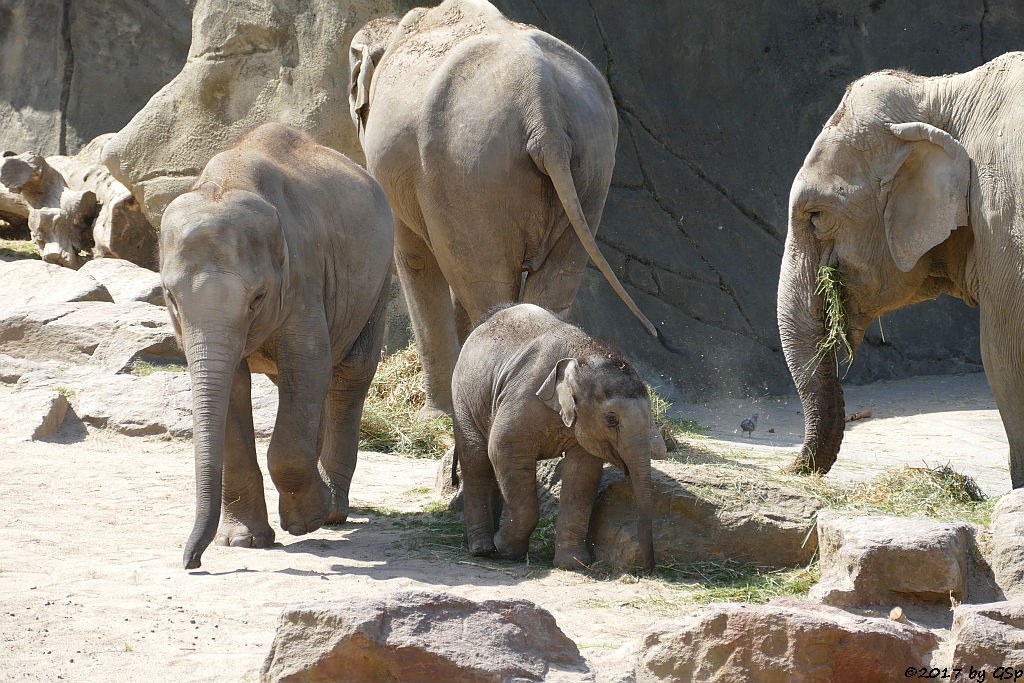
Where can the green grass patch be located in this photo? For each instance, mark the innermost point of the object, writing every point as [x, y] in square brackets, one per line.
[389, 422]
[18, 249]
[144, 369]
[830, 289]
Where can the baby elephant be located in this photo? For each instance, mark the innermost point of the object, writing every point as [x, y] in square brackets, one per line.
[277, 261]
[529, 386]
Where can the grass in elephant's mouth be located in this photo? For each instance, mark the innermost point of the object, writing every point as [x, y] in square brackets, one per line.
[389, 422]
[830, 289]
[676, 431]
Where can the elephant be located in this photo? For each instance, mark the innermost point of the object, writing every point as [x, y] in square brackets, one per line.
[914, 187]
[278, 260]
[491, 139]
[530, 386]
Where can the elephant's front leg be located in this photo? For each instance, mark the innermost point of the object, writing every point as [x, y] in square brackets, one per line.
[433, 321]
[304, 374]
[344, 409]
[581, 474]
[1002, 347]
[515, 466]
[244, 517]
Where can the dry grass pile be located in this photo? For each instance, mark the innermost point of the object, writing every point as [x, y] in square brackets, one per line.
[389, 422]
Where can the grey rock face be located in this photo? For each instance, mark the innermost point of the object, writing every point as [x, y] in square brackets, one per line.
[29, 282]
[126, 281]
[1008, 543]
[701, 517]
[890, 560]
[988, 636]
[424, 636]
[785, 640]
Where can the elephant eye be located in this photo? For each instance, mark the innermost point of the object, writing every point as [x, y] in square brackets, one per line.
[612, 419]
[258, 300]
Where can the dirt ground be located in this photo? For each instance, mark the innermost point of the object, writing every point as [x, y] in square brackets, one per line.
[92, 589]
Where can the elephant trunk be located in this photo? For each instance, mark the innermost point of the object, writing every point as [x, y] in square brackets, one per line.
[638, 462]
[816, 375]
[212, 364]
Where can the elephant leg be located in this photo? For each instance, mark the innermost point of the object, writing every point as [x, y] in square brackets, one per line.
[581, 474]
[243, 520]
[515, 464]
[1001, 350]
[555, 282]
[480, 495]
[344, 409]
[428, 298]
[463, 323]
[304, 376]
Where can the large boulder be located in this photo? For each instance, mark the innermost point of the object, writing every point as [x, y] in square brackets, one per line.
[250, 62]
[1008, 543]
[32, 413]
[160, 403]
[73, 69]
[126, 281]
[111, 336]
[989, 636]
[875, 560]
[699, 515]
[28, 282]
[421, 636]
[785, 640]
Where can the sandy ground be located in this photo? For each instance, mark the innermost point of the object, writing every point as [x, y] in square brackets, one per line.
[92, 589]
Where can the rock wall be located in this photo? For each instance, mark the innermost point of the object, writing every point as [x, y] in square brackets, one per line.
[719, 103]
[73, 69]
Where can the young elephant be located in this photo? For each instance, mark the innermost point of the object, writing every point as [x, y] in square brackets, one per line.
[277, 261]
[528, 386]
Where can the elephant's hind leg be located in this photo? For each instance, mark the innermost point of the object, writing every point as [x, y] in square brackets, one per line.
[515, 464]
[555, 283]
[244, 518]
[480, 497]
[344, 409]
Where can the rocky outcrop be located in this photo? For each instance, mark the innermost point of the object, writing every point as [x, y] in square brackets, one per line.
[126, 281]
[249, 63]
[782, 641]
[702, 516]
[1008, 543]
[420, 635]
[873, 560]
[34, 284]
[32, 413]
[989, 636]
[73, 69]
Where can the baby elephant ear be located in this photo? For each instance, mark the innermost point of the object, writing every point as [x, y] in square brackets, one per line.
[556, 392]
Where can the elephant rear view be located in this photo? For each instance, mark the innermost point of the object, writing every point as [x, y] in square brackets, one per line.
[277, 261]
[495, 143]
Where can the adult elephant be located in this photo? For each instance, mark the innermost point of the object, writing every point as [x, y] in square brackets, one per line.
[914, 187]
[491, 139]
[277, 261]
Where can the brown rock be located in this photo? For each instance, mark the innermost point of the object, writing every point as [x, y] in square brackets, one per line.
[989, 636]
[420, 636]
[781, 642]
[871, 560]
[700, 516]
[1008, 543]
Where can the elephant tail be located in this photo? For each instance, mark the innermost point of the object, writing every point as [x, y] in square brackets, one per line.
[553, 160]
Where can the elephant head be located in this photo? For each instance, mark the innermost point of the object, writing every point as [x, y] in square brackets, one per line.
[880, 195]
[224, 267]
[602, 399]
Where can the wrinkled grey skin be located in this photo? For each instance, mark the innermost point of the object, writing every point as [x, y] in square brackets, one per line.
[495, 143]
[529, 386]
[914, 187]
[277, 261]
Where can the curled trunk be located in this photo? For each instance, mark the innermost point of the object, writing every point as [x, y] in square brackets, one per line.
[816, 375]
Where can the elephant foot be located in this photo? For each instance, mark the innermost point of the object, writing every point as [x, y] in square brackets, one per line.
[305, 511]
[429, 412]
[481, 547]
[579, 558]
[511, 549]
[241, 535]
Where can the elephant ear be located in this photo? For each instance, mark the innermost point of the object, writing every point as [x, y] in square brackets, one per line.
[925, 198]
[557, 393]
[362, 60]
